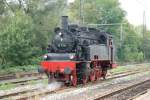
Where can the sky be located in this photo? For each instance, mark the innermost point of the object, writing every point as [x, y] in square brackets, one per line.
[135, 9]
[70, 0]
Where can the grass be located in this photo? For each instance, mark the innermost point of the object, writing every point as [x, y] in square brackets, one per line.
[121, 69]
[16, 69]
[7, 86]
[32, 82]
[44, 81]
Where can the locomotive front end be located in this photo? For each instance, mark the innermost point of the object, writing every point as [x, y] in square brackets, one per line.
[59, 64]
[60, 67]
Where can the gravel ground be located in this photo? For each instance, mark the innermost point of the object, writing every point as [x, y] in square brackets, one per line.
[18, 89]
[82, 92]
[36, 88]
[40, 89]
[127, 94]
[144, 96]
[85, 93]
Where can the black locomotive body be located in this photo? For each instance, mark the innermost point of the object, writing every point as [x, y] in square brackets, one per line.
[78, 54]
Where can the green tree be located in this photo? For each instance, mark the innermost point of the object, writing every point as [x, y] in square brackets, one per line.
[130, 51]
[98, 11]
[16, 40]
[45, 16]
[146, 46]
[26, 27]
[2, 7]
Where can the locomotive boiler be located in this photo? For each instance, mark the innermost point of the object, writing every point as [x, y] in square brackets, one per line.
[78, 54]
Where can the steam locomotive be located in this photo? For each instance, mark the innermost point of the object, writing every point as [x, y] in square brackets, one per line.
[78, 54]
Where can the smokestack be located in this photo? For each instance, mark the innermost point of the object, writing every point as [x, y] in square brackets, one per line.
[64, 22]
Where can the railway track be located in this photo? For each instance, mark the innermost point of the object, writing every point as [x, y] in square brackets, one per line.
[33, 93]
[26, 74]
[126, 92]
[29, 93]
[24, 78]
[22, 81]
[18, 75]
[103, 87]
[138, 95]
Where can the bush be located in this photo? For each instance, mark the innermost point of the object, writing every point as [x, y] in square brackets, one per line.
[16, 41]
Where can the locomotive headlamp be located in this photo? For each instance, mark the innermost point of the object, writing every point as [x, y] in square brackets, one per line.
[60, 33]
[45, 57]
[71, 56]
